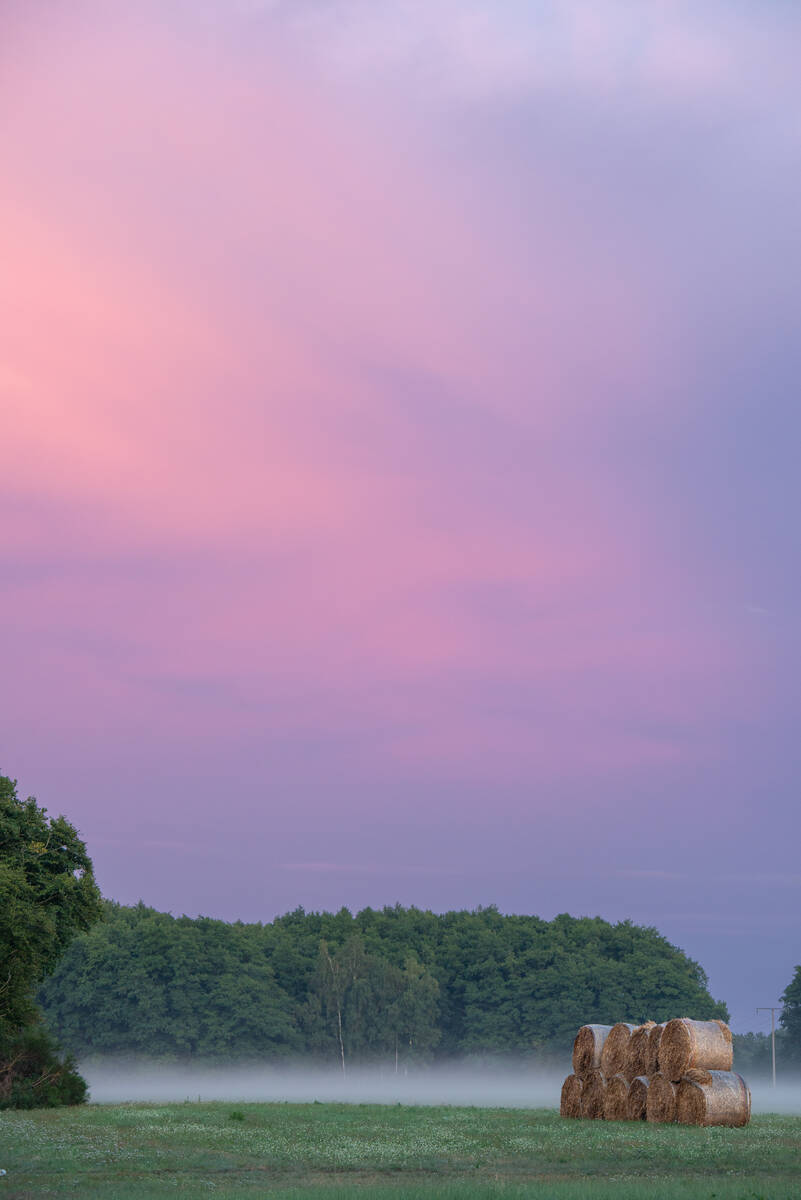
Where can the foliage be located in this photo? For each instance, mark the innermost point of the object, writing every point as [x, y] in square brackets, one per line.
[48, 895]
[372, 1007]
[145, 983]
[33, 1073]
[790, 1018]
[477, 983]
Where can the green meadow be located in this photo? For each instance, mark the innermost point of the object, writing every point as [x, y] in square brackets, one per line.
[293, 1151]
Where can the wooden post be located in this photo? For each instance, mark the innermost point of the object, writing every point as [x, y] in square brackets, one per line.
[772, 1012]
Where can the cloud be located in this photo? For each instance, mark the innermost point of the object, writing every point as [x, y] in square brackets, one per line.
[379, 868]
[306, 417]
[394, 399]
[647, 873]
[673, 53]
[769, 879]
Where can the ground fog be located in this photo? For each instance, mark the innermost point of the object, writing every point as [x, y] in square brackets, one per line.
[125, 1080]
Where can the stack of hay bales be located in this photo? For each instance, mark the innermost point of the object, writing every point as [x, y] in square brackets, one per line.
[678, 1071]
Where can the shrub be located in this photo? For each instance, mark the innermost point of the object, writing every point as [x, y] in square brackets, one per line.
[35, 1074]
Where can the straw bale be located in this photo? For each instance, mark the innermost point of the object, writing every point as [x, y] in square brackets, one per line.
[637, 1051]
[661, 1102]
[654, 1038]
[686, 1044]
[587, 1048]
[570, 1104]
[638, 1098]
[613, 1054]
[697, 1075]
[725, 1100]
[593, 1094]
[616, 1100]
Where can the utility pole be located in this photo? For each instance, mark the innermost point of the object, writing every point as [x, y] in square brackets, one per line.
[772, 1012]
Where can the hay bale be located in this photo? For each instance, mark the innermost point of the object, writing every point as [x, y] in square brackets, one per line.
[697, 1075]
[638, 1098]
[686, 1044]
[593, 1095]
[570, 1103]
[637, 1051]
[654, 1038]
[613, 1054]
[724, 1100]
[587, 1048]
[661, 1102]
[616, 1100]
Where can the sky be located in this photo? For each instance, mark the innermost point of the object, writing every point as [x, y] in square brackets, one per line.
[400, 432]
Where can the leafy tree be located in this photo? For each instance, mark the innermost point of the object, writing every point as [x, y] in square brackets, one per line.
[371, 1008]
[478, 983]
[48, 895]
[413, 1014]
[790, 1018]
[143, 982]
[332, 983]
[356, 991]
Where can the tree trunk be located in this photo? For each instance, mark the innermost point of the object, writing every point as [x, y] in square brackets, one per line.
[341, 1042]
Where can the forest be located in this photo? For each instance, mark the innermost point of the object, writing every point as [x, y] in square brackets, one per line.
[396, 984]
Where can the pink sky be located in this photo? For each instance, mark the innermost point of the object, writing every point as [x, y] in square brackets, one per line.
[398, 411]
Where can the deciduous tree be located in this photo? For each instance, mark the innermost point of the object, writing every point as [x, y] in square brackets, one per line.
[48, 895]
[791, 1015]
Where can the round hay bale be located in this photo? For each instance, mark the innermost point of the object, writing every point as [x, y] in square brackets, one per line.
[696, 1075]
[724, 1100]
[587, 1048]
[661, 1102]
[637, 1051]
[638, 1098]
[654, 1038]
[686, 1044]
[593, 1094]
[616, 1100]
[613, 1054]
[570, 1103]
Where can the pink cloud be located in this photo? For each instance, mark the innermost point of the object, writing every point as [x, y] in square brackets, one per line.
[204, 274]
[397, 415]
[669, 53]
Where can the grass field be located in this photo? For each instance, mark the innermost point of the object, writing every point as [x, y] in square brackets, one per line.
[294, 1151]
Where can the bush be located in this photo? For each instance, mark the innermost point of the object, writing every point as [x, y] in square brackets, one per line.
[35, 1074]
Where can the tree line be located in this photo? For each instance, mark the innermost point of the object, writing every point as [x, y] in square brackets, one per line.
[398, 984]
[394, 985]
